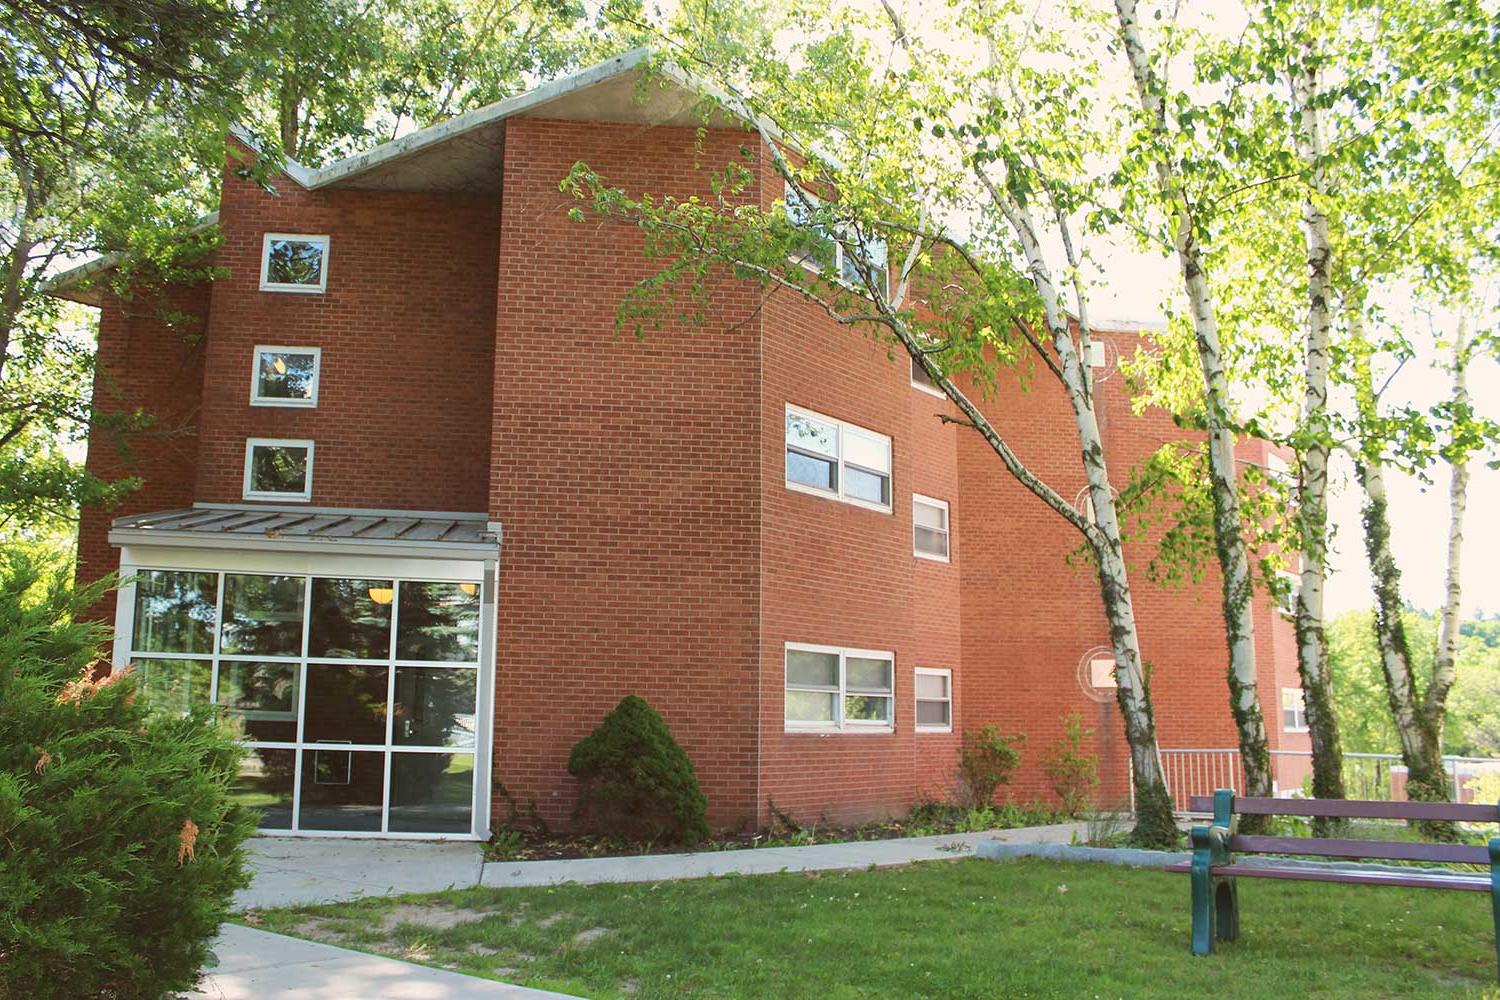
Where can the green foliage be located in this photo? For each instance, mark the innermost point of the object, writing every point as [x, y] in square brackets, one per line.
[635, 781]
[120, 847]
[1071, 770]
[986, 759]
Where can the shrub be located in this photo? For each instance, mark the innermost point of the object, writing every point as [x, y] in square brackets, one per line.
[635, 781]
[1072, 771]
[121, 846]
[985, 762]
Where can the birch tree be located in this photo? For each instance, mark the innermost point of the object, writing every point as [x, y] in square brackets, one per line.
[890, 135]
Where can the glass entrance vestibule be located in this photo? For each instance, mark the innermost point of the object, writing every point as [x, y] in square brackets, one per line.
[360, 697]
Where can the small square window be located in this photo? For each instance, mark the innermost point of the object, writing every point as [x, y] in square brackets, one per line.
[292, 263]
[921, 380]
[1102, 673]
[934, 695]
[1293, 710]
[929, 526]
[285, 376]
[278, 470]
[1286, 599]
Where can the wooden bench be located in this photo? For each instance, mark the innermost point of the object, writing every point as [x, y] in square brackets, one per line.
[1216, 915]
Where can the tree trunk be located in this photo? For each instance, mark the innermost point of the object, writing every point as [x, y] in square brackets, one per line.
[1312, 475]
[1234, 561]
[1445, 651]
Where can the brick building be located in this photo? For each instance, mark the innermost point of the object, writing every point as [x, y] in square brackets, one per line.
[418, 515]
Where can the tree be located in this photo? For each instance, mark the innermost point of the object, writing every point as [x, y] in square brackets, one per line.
[881, 136]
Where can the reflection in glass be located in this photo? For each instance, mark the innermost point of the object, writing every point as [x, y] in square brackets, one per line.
[432, 792]
[285, 375]
[295, 262]
[341, 789]
[265, 785]
[262, 615]
[173, 687]
[438, 621]
[174, 611]
[261, 699]
[345, 703]
[434, 707]
[809, 706]
[278, 468]
[348, 622]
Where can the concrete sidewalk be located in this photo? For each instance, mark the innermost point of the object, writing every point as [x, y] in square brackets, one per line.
[255, 965]
[295, 871]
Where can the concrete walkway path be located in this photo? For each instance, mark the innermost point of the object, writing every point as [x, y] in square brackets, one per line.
[295, 871]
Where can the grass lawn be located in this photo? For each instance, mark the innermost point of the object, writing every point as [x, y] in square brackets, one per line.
[967, 928]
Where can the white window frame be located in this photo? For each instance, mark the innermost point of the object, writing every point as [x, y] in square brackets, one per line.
[1288, 606]
[917, 498]
[836, 238]
[1298, 709]
[252, 443]
[839, 723]
[267, 285]
[931, 390]
[1102, 673]
[838, 494]
[933, 672]
[256, 399]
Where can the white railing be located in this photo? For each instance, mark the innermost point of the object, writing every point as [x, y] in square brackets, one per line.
[1379, 776]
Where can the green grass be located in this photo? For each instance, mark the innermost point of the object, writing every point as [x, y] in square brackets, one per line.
[970, 928]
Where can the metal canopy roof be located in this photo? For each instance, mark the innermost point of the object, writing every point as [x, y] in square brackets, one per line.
[352, 529]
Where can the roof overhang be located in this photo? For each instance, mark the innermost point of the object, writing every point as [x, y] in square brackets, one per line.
[331, 530]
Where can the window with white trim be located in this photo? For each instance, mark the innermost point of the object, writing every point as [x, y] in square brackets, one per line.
[831, 458]
[929, 527]
[285, 376]
[934, 696]
[1286, 598]
[278, 470]
[1102, 672]
[921, 380]
[294, 263]
[838, 250]
[829, 688]
[1293, 710]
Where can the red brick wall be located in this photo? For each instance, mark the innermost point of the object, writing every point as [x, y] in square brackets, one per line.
[406, 329]
[144, 365]
[624, 472]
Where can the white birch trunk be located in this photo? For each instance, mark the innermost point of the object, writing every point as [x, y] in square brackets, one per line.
[1445, 653]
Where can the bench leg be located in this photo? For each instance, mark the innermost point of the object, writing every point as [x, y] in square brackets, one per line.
[1227, 908]
[1205, 916]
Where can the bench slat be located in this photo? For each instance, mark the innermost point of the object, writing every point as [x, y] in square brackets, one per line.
[1465, 883]
[1464, 854]
[1353, 809]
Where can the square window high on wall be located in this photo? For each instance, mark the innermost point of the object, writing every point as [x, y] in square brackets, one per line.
[294, 263]
[285, 376]
[278, 470]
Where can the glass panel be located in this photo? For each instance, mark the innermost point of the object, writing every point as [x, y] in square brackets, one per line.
[867, 450]
[929, 515]
[432, 792]
[867, 486]
[262, 615]
[261, 699]
[174, 611]
[932, 543]
[351, 618]
[817, 669]
[285, 375]
[276, 468]
[342, 789]
[932, 713]
[867, 708]
[919, 375]
[295, 262]
[864, 674]
[345, 703]
[809, 706]
[812, 435]
[172, 687]
[819, 472]
[434, 706]
[265, 785]
[931, 686]
[438, 621]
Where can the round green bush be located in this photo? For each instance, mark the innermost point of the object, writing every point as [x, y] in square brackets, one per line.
[120, 847]
[635, 781]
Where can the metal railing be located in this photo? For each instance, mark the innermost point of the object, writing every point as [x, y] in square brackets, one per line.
[1379, 776]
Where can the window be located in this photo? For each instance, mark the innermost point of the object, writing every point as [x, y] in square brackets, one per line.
[278, 470]
[285, 376]
[290, 263]
[1293, 710]
[1095, 353]
[366, 687]
[840, 249]
[921, 380]
[929, 526]
[1102, 672]
[828, 688]
[832, 458]
[934, 693]
[1286, 597]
